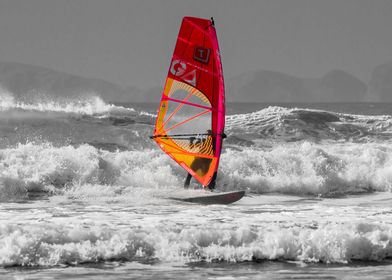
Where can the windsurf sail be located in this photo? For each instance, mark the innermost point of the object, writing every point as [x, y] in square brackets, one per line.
[191, 114]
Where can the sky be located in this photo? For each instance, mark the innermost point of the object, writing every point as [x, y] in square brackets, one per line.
[130, 42]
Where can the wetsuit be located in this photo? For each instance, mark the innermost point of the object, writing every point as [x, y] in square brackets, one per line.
[200, 162]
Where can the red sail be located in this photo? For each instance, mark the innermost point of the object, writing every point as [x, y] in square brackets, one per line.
[191, 114]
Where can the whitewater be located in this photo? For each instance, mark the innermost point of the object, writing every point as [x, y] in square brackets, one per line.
[84, 194]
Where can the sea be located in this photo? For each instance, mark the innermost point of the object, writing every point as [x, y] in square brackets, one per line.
[86, 194]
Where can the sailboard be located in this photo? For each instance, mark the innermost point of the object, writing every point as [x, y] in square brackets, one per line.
[206, 197]
[191, 114]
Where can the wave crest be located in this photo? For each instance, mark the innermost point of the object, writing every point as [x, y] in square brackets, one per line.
[85, 104]
[55, 244]
[281, 124]
[297, 168]
[78, 170]
[308, 168]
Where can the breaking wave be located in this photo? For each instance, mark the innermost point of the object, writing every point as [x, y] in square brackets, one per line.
[279, 124]
[296, 168]
[55, 244]
[87, 104]
[309, 168]
[299, 152]
[42, 167]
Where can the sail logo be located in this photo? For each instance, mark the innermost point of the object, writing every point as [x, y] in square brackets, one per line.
[201, 54]
[179, 69]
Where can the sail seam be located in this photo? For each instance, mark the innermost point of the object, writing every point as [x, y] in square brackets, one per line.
[187, 103]
[189, 119]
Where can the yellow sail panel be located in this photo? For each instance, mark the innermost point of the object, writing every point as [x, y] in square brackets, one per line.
[183, 129]
[200, 166]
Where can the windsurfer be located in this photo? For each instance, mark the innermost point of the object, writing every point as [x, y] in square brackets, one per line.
[201, 164]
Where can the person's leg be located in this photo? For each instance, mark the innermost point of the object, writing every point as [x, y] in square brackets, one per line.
[211, 185]
[187, 181]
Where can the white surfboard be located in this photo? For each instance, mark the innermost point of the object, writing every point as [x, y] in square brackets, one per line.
[207, 197]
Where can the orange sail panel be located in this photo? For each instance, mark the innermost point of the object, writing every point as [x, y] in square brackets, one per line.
[191, 113]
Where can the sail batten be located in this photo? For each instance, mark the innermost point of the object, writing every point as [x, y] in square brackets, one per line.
[190, 119]
[188, 103]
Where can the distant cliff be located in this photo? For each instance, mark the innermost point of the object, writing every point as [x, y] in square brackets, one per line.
[24, 80]
[269, 86]
[265, 86]
[254, 86]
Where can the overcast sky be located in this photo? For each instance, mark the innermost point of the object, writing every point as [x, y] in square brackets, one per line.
[130, 42]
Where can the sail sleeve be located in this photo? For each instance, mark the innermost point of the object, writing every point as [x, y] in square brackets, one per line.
[190, 119]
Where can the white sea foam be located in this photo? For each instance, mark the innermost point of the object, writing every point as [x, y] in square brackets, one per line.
[111, 205]
[86, 104]
[90, 106]
[308, 168]
[44, 244]
[43, 167]
[7, 100]
[297, 168]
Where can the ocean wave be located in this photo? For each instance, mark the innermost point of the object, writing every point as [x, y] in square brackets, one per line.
[309, 168]
[296, 124]
[54, 244]
[85, 104]
[43, 167]
[296, 168]
[89, 106]
[75, 120]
